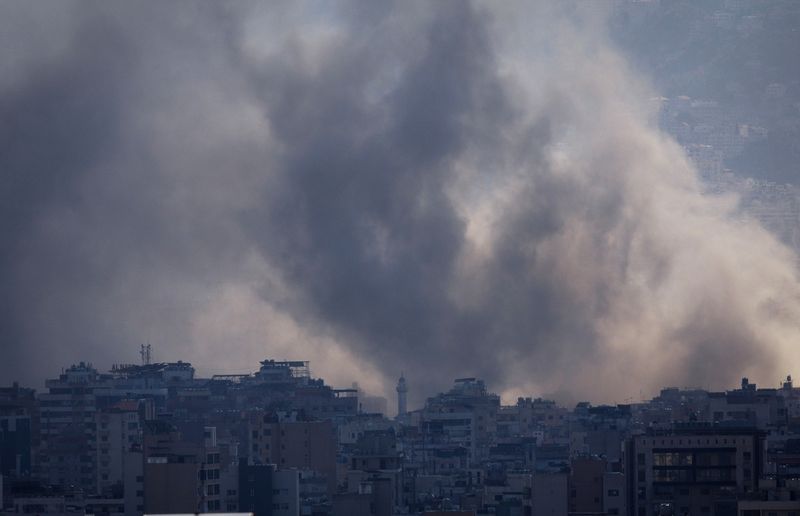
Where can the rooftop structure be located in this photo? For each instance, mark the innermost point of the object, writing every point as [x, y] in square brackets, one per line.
[283, 371]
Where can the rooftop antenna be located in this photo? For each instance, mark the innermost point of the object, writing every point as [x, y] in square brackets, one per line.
[146, 353]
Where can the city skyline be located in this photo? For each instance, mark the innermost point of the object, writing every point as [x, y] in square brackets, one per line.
[399, 257]
[155, 438]
[391, 399]
[574, 199]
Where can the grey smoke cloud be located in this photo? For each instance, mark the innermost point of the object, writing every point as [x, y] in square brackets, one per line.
[446, 189]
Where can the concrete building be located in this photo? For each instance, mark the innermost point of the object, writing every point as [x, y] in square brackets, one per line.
[376, 450]
[181, 476]
[368, 495]
[286, 490]
[586, 485]
[68, 432]
[762, 408]
[692, 469]
[549, 496]
[83, 429]
[21, 402]
[118, 429]
[464, 416]
[615, 502]
[15, 445]
[282, 381]
[133, 481]
[304, 445]
[171, 486]
[266, 491]
[351, 431]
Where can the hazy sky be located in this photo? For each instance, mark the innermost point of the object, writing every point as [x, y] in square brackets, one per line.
[443, 188]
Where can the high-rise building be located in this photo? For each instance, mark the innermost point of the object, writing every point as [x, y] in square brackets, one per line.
[118, 430]
[68, 428]
[692, 469]
[19, 419]
[180, 476]
[304, 445]
[585, 485]
[265, 491]
[15, 445]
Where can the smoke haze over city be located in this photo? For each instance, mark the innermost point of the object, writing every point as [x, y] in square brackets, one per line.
[443, 189]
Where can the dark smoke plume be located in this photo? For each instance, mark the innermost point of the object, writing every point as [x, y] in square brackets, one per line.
[446, 189]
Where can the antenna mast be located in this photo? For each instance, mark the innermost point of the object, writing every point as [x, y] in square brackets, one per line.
[146, 353]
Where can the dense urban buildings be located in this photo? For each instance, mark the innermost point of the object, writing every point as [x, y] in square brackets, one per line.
[162, 438]
[155, 438]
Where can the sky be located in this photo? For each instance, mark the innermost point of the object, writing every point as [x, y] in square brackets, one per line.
[443, 189]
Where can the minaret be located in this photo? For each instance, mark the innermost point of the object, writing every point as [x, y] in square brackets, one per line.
[402, 390]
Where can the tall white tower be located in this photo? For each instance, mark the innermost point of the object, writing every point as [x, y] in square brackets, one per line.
[402, 390]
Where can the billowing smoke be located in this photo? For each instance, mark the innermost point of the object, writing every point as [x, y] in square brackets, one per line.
[446, 189]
